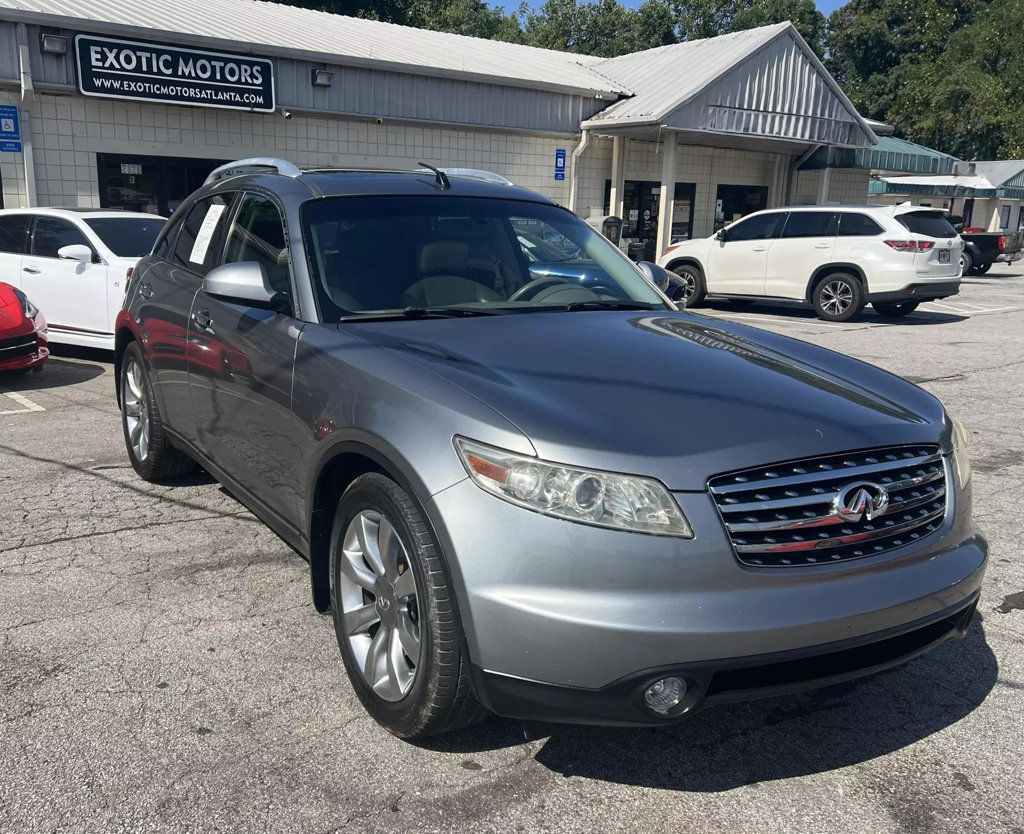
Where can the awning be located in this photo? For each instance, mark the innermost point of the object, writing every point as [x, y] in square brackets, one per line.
[939, 186]
[890, 154]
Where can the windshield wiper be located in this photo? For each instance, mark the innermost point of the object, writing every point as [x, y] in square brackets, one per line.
[610, 304]
[421, 313]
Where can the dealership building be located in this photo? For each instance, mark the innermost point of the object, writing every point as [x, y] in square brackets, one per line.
[123, 103]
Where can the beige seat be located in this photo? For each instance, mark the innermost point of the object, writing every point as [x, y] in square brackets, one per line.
[441, 263]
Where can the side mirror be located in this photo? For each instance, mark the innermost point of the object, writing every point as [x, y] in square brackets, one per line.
[722, 235]
[655, 274]
[75, 252]
[245, 281]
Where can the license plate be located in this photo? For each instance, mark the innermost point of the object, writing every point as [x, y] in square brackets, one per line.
[943, 256]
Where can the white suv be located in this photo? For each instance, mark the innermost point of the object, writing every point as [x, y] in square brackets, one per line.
[837, 258]
[74, 265]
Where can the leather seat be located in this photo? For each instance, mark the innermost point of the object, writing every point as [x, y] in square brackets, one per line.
[441, 262]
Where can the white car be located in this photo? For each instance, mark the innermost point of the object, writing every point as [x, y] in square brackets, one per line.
[837, 258]
[74, 264]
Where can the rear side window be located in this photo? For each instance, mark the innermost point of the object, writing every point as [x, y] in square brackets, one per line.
[14, 233]
[930, 223]
[857, 225]
[809, 224]
[52, 233]
[197, 245]
[759, 227]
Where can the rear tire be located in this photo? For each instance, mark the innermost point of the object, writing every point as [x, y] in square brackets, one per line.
[895, 311]
[391, 599]
[966, 264]
[981, 269]
[838, 297]
[152, 455]
[693, 288]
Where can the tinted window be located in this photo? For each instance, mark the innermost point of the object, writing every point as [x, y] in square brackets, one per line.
[857, 225]
[391, 252]
[51, 234]
[196, 247]
[257, 234]
[14, 233]
[809, 224]
[759, 227]
[127, 237]
[930, 223]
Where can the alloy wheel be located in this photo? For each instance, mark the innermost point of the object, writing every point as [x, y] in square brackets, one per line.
[836, 297]
[689, 286]
[136, 413]
[379, 604]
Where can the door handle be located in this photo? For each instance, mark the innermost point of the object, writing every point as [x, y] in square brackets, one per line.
[202, 318]
[822, 245]
[759, 249]
[32, 270]
[146, 290]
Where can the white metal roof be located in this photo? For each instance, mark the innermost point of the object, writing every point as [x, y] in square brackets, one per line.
[782, 76]
[962, 181]
[287, 30]
[999, 172]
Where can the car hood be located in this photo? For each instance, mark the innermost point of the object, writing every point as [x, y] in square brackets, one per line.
[676, 396]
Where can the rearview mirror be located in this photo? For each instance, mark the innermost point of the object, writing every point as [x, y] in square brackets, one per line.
[245, 281]
[75, 252]
[655, 274]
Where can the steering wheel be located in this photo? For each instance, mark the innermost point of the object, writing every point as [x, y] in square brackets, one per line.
[529, 290]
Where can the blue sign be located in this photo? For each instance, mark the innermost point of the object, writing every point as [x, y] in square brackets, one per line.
[10, 130]
[560, 163]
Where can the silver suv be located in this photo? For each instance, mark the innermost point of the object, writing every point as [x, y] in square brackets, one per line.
[548, 495]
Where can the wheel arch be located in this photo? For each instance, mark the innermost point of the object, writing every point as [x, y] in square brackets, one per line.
[845, 268]
[685, 260]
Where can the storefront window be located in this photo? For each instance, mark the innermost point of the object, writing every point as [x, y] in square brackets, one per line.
[735, 201]
[151, 184]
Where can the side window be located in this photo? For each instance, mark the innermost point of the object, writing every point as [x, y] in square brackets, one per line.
[52, 233]
[196, 247]
[810, 224]
[759, 227]
[852, 224]
[257, 234]
[14, 233]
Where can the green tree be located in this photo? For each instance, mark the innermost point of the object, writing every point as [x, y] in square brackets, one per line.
[804, 15]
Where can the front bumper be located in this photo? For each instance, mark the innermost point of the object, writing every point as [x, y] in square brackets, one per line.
[926, 291]
[577, 609]
[725, 681]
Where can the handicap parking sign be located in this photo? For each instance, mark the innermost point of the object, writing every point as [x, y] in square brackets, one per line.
[560, 164]
[10, 129]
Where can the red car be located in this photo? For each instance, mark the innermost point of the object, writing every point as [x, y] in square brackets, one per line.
[23, 343]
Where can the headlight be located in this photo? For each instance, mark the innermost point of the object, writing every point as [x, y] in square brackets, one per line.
[604, 499]
[961, 459]
[30, 309]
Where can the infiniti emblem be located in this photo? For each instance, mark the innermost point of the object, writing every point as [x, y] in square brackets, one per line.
[860, 500]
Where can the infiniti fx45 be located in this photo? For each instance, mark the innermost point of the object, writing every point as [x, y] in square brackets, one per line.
[547, 497]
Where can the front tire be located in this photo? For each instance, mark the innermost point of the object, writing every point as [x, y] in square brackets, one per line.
[150, 451]
[693, 287]
[895, 311]
[395, 615]
[838, 297]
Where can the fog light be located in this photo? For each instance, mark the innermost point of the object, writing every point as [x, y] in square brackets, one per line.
[664, 694]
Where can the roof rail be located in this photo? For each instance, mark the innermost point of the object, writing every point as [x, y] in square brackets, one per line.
[281, 166]
[479, 174]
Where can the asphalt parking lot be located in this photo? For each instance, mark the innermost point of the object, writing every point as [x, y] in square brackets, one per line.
[162, 668]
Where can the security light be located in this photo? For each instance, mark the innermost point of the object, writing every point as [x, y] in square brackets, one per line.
[55, 44]
[322, 78]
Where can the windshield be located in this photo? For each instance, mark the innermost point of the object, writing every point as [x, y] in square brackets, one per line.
[370, 255]
[127, 237]
[930, 223]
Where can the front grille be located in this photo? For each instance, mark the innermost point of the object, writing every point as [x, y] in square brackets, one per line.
[783, 515]
[18, 346]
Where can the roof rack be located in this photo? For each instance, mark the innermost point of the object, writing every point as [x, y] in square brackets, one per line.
[256, 163]
[478, 174]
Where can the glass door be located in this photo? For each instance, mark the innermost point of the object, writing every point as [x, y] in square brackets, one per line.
[154, 184]
[735, 201]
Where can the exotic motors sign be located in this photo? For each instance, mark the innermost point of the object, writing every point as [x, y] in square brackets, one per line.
[149, 72]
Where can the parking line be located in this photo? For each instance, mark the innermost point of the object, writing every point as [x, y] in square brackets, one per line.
[26, 404]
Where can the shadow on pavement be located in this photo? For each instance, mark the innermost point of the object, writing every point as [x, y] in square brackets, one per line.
[796, 311]
[760, 741]
[56, 373]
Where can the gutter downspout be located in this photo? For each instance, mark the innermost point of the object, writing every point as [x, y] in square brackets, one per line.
[28, 97]
[576, 154]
